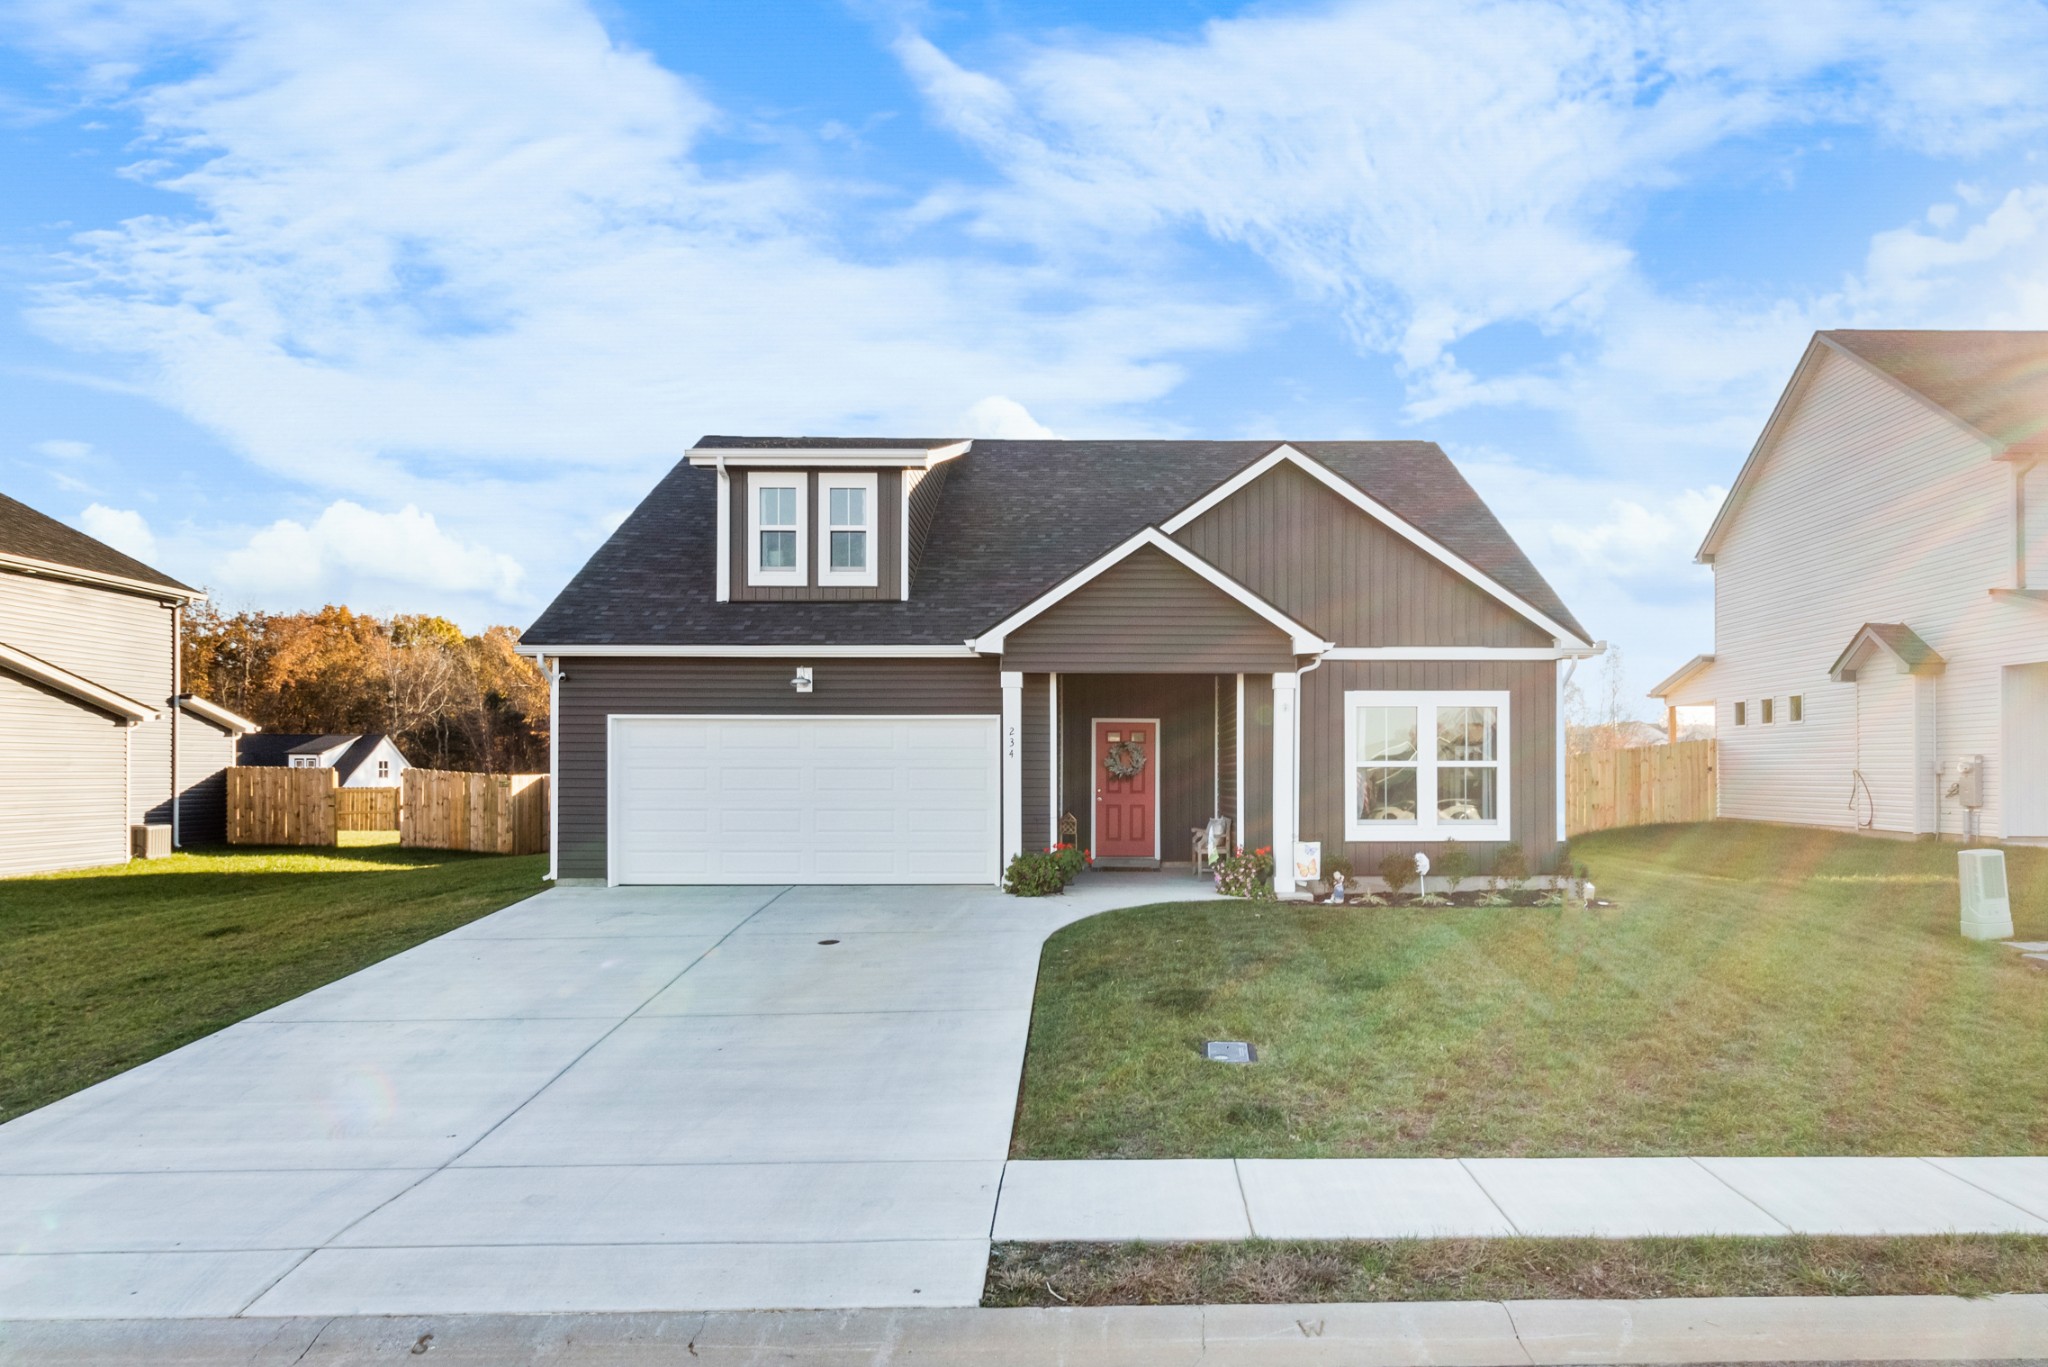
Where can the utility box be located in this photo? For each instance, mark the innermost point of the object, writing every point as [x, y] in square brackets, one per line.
[149, 842]
[1969, 787]
[1987, 909]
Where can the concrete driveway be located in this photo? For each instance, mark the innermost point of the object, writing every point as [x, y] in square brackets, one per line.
[597, 1099]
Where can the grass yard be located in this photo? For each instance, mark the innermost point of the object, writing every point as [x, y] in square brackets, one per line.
[1295, 1273]
[103, 969]
[1758, 990]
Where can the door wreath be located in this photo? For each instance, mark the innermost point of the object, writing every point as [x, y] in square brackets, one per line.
[1125, 759]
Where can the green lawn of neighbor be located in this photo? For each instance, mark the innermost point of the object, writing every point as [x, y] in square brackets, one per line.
[105, 968]
[1759, 990]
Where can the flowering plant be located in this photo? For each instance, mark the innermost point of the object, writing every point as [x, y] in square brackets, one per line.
[1246, 875]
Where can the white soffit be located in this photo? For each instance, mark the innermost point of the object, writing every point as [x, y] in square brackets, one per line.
[825, 457]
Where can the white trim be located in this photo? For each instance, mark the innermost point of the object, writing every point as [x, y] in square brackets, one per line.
[724, 565]
[869, 574]
[1095, 725]
[1427, 826]
[554, 669]
[1303, 641]
[1237, 826]
[1560, 742]
[215, 713]
[1052, 745]
[1013, 766]
[827, 457]
[51, 569]
[1358, 498]
[1286, 782]
[789, 652]
[905, 486]
[611, 770]
[799, 575]
[1560, 652]
[85, 690]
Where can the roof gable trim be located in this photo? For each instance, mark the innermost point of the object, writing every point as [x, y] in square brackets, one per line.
[64, 681]
[1683, 675]
[1302, 639]
[195, 706]
[1403, 528]
[1896, 640]
[50, 569]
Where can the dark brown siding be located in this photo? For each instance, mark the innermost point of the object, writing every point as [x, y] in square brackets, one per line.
[594, 689]
[887, 547]
[1258, 761]
[1148, 614]
[1037, 766]
[924, 507]
[1185, 705]
[1532, 722]
[1335, 568]
[1226, 749]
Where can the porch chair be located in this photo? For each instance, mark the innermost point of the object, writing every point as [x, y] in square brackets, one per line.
[1211, 843]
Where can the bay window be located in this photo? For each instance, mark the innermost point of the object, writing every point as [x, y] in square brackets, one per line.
[1426, 766]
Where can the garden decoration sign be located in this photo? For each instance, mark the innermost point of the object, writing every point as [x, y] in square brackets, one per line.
[1308, 860]
[1125, 760]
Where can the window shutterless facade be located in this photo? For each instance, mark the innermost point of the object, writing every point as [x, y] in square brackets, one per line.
[1795, 707]
[846, 531]
[1426, 766]
[775, 529]
[1769, 711]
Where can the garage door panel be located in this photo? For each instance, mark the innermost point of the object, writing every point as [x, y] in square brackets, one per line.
[805, 800]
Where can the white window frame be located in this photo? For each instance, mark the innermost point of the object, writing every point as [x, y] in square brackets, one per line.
[868, 576]
[759, 576]
[1427, 826]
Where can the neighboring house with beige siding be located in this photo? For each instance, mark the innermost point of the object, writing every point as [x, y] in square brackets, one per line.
[95, 739]
[852, 660]
[1881, 593]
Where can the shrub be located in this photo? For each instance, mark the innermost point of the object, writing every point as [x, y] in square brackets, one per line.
[1510, 868]
[1071, 860]
[1454, 866]
[1398, 870]
[1246, 875]
[1034, 875]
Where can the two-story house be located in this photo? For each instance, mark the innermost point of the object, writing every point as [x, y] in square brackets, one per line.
[848, 660]
[1880, 569]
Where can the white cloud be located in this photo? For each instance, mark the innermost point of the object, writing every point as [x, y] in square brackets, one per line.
[1000, 417]
[349, 545]
[64, 449]
[124, 529]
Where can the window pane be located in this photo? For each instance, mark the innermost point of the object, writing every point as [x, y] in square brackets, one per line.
[778, 507]
[849, 550]
[849, 507]
[1386, 793]
[1386, 733]
[1466, 732]
[1466, 793]
[778, 550]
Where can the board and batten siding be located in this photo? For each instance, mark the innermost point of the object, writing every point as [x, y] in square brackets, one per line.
[1531, 686]
[65, 768]
[117, 640]
[1151, 614]
[594, 689]
[1184, 753]
[1335, 568]
[1869, 507]
[887, 547]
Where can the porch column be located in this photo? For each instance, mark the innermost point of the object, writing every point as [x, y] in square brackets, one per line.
[1286, 693]
[1052, 766]
[1013, 765]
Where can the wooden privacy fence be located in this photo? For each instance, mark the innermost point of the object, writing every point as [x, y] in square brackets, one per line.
[488, 813]
[281, 806]
[1639, 786]
[366, 809]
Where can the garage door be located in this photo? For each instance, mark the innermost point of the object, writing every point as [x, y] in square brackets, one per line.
[804, 800]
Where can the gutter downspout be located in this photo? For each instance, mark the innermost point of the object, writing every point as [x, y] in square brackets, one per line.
[1299, 674]
[554, 668]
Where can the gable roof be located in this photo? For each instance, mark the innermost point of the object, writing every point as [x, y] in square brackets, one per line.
[358, 754]
[1995, 384]
[1896, 639]
[1681, 676]
[274, 749]
[320, 745]
[38, 543]
[1016, 519]
[195, 706]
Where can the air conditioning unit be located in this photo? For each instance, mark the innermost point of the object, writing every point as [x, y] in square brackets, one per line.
[149, 842]
[1987, 909]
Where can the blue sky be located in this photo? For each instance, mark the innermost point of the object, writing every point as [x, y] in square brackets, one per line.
[405, 304]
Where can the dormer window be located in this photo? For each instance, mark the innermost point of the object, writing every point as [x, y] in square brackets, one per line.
[846, 541]
[775, 531]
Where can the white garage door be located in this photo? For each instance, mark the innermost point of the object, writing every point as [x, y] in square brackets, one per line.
[804, 800]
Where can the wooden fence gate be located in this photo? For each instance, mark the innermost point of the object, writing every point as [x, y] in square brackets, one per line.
[487, 813]
[280, 806]
[1639, 786]
[366, 809]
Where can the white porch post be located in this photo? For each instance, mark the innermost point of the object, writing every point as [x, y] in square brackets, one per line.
[1052, 765]
[1286, 691]
[1013, 765]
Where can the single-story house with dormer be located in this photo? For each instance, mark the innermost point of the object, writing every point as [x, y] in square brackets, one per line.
[359, 761]
[858, 660]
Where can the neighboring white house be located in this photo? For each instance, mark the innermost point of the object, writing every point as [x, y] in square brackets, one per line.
[1881, 592]
[365, 761]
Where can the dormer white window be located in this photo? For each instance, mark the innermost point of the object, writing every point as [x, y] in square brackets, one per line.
[775, 529]
[846, 530]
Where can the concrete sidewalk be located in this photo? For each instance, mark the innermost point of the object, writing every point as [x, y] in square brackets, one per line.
[1472, 1333]
[1405, 1198]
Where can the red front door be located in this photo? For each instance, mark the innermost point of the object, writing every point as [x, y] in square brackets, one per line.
[1126, 813]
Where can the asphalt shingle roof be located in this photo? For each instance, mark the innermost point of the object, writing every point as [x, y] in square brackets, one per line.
[1016, 518]
[35, 536]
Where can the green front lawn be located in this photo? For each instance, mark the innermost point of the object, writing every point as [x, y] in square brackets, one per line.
[105, 968]
[1758, 990]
